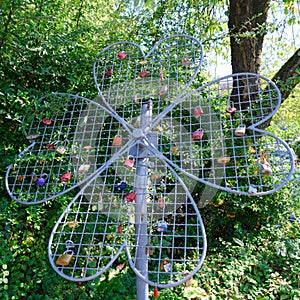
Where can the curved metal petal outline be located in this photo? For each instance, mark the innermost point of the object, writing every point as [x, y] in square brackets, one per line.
[85, 237]
[212, 121]
[21, 190]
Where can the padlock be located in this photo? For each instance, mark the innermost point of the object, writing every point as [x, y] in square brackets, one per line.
[189, 281]
[198, 112]
[136, 99]
[240, 130]
[252, 190]
[149, 250]
[143, 74]
[159, 128]
[186, 61]
[50, 146]
[66, 177]
[130, 196]
[120, 229]
[32, 136]
[46, 121]
[154, 176]
[142, 62]
[162, 226]
[129, 162]
[120, 187]
[165, 265]
[121, 55]
[84, 168]
[109, 73]
[21, 177]
[223, 159]
[174, 150]
[160, 202]
[72, 224]
[266, 169]
[65, 258]
[86, 148]
[117, 141]
[163, 90]
[62, 148]
[198, 134]
[137, 122]
[231, 110]
[41, 180]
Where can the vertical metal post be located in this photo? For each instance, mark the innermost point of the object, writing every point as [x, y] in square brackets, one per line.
[141, 182]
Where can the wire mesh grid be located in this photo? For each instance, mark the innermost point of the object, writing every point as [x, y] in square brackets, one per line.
[126, 77]
[103, 220]
[212, 136]
[71, 138]
[137, 150]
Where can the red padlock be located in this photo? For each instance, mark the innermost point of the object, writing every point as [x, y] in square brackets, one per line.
[47, 121]
[198, 134]
[120, 230]
[160, 202]
[117, 141]
[121, 55]
[66, 177]
[143, 74]
[130, 196]
[129, 162]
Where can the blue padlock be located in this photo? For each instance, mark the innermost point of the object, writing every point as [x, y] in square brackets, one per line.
[41, 180]
[120, 187]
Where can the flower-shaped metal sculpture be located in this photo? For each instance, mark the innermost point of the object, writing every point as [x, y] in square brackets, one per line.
[136, 151]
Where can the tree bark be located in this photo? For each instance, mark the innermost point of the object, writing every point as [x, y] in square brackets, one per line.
[247, 19]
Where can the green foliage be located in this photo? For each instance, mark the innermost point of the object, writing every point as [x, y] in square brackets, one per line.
[50, 46]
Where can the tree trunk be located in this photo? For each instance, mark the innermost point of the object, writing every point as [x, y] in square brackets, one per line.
[247, 19]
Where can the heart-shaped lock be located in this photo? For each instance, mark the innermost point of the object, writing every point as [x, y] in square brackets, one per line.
[198, 134]
[130, 196]
[41, 180]
[66, 177]
[198, 112]
[129, 162]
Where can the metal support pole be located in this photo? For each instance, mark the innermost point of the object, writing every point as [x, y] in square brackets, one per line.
[141, 182]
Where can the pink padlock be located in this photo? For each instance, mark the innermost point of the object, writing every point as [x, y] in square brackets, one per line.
[130, 196]
[160, 202]
[198, 112]
[129, 162]
[198, 134]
